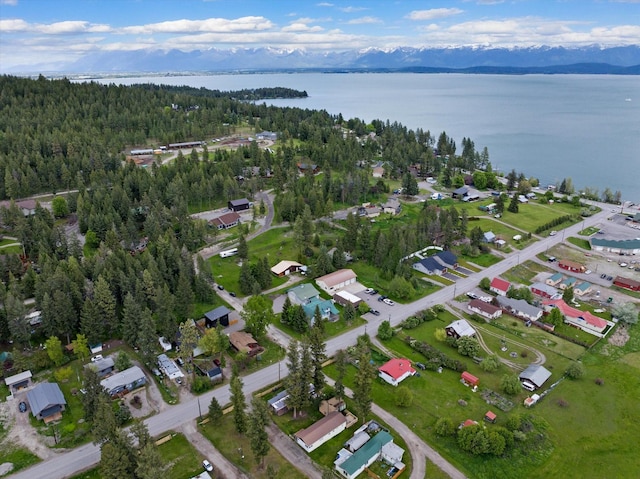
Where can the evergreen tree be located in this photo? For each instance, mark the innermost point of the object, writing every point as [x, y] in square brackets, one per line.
[93, 392]
[147, 338]
[114, 461]
[91, 324]
[215, 410]
[285, 316]
[297, 389]
[513, 204]
[243, 248]
[258, 420]
[298, 319]
[363, 382]
[131, 313]
[341, 372]
[239, 403]
[105, 305]
[149, 463]
[317, 348]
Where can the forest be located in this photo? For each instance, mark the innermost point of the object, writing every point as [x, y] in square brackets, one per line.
[58, 135]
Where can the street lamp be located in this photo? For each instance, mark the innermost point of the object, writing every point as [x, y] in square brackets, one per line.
[199, 410]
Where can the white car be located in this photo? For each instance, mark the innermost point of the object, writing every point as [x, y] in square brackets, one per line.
[207, 465]
[97, 357]
[368, 290]
[388, 301]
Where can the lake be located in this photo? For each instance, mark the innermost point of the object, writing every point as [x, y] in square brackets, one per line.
[586, 127]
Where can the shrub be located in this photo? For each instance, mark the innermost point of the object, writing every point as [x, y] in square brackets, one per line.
[404, 397]
[575, 371]
[63, 374]
[562, 403]
[445, 427]
[599, 381]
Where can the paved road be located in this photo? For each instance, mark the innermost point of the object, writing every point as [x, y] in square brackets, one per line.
[69, 463]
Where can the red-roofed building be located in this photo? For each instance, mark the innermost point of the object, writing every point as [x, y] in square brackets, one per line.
[467, 423]
[486, 310]
[490, 417]
[226, 221]
[571, 266]
[499, 286]
[469, 379]
[396, 370]
[582, 319]
[627, 283]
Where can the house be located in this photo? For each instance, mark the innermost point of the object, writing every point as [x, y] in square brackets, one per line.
[241, 204]
[215, 316]
[244, 343]
[169, 367]
[124, 381]
[396, 370]
[581, 319]
[210, 370]
[337, 280]
[626, 247]
[226, 221]
[534, 376]
[460, 328]
[102, 366]
[499, 286]
[305, 167]
[365, 456]
[321, 431]
[303, 294]
[18, 381]
[278, 403]
[571, 266]
[519, 308]
[27, 207]
[392, 206]
[267, 135]
[325, 306]
[345, 297]
[568, 283]
[469, 379]
[46, 402]
[286, 267]
[489, 237]
[378, 171]
[369, 210]
[554, 279]
[627, 283]
[429, 265]
[332, 404]
[460, 192]
[544, 290]
[486, 310]
[490, 416]
[583, 288]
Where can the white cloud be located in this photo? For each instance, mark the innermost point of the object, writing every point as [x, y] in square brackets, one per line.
[208, 25]
[352, 9]
[433, 13]
[301, 27]
[364, 20]
[13, 26]
[12, 3]
[324, 4]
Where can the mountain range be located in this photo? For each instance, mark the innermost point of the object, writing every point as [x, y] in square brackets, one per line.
[542, 59]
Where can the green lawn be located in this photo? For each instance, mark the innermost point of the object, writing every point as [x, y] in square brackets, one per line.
[579, 242]
[532, 215]
[18, 456]
[524, 272]
[370, 276]
[484, 260]
[591, 230]
[233, 446]
[502, 232]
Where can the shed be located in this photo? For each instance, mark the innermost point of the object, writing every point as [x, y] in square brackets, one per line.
[18, 381]
[245, 343]
[459, 328]
[278, 403]
[490, 416]
[239, 204]
[220, 314]
[469, 379]
[536, 375]
[345, 297]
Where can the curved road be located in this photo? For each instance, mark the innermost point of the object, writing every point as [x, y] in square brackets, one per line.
[69, 463]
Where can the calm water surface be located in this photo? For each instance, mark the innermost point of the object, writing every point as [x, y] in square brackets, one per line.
[586, 127]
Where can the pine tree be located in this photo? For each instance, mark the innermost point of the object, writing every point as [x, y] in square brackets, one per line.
[239, 403]
[105, 305]
[341, 372]
[293, 382]
[215, 410]
[149, 462]
[363, 382]
[131, 313]
[513, 204]
[258, 420]
[317, 348]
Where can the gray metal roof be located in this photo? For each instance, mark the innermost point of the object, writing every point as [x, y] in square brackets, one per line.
[44, 396]
[536, 374]
[122, 378]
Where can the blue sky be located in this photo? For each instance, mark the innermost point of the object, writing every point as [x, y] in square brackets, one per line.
[49, 32]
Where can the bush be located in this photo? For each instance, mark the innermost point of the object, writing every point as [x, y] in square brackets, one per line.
[490, 364]
[599, 381]
[201, 384]
[445, 427]
[62, 375]
[404, 397]
[575, 371]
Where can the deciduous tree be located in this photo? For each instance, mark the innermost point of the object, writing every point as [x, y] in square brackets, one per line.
[258, 315]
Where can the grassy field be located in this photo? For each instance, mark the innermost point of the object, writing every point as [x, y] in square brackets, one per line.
[579, 242]
[18, 456]
[234, 446]
[525, 272]
[532, 215]
[502, 231]
[369, 276]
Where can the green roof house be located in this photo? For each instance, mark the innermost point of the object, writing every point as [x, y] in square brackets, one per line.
[365, 456]
[303, 294]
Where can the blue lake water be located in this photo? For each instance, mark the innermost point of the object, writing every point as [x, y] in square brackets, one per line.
[586, 127]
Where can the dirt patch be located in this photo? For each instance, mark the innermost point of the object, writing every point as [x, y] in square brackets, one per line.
[619, 337]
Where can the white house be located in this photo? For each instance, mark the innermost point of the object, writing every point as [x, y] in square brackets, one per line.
[321, 431]
[395, 371]
[124, 381]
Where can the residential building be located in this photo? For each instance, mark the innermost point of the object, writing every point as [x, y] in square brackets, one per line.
[337, 280]
[243, 342]
[581, 319]
[278, 403]
[554, 279]
[267, 135]
[534, 377]
[325, 306]
[365, 456]
[169, 367]
[627, 283]
[486, 310]
[439, 263]
[226, 221]
[489, 237]
[102, 366]
[46, 402]
[567, 283]
[460, 328]
[321, 431]
[582, 289]
[392, 206]
[303, 294]
[460, 192]
[27, 207]
[210, 370]
[571, 266]
[499, 286]
[286, 267]
[544, 290]
[124, 381]
[241, 204]
[215, 316]
[519, 308]
[395, 371]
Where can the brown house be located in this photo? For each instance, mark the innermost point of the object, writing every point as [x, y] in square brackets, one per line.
[244, 342]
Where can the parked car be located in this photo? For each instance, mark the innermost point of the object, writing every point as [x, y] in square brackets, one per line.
[220, 287]
[603, 275]
[375, 312]
[97, 357]
[207, 465]
[374, 291]
[553, 233]
[232, 294]
[180, 361]
[609, 278]
[388, 302]
[421, 366]
[381, 298]
[369, 291]
[22, 406]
